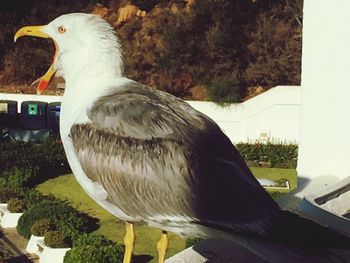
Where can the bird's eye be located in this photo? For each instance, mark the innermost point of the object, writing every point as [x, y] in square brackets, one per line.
[62, 29]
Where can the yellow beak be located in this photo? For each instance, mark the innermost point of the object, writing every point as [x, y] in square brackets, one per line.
[36, 31]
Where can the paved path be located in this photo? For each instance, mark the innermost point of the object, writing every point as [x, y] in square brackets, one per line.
[13, 246]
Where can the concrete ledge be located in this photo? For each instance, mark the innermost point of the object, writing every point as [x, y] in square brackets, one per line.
[36, 245]
[53, 255]
[328, 206]
[8, 219]
[32, 246]
[215, 251]
[256, 250]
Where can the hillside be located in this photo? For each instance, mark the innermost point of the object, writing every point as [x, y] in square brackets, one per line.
[220, 50]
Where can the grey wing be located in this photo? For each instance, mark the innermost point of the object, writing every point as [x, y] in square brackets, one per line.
[157, 157]
[137, 174]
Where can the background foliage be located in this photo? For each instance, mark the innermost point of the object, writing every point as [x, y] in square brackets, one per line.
[41, 227]
[90, 248]
[269, 154]
[15, 205]
[46, 212]
[26, 164]
[64, 217]
[56, 239]
[221, 50]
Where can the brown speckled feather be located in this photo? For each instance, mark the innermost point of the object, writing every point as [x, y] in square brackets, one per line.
[156, 156]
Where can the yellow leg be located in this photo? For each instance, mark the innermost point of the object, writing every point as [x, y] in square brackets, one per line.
[129, 242]
[162, 246]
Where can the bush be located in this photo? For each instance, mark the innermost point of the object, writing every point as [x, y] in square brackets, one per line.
[32, 197]
[56, 239]
[17, 154]
[15, 205]
[17, 177]
[6, 194]
[94, 248]
[27, 164]
[68, 220]
[275, 155]
[41, 227]
[224, 90]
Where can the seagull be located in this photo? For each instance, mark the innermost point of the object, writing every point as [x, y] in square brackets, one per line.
[147, 156]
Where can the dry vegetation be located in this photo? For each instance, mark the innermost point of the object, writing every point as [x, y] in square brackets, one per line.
[222, 50]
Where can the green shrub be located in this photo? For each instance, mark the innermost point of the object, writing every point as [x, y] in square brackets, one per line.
[274, 155]
[32, 197]
[224, 90]
[94, 248]
[15, 205]
[67, 219]
[17, 177]
[56, 239]
[27, 164]
[41, 227]
[6, 194]
[17, 154]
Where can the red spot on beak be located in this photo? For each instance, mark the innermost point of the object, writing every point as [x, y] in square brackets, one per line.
[42, 86]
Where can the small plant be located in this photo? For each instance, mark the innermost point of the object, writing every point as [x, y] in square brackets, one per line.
[56, 239]
[282, 182]
[94, 248]
[6, 194]
[224, 90]
[64, 217]
[41, 227]
[15, 205]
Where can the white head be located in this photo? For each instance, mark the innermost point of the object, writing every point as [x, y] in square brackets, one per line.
[86, 47]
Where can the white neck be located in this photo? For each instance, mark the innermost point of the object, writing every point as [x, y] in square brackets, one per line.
[91, 67]
[90, 63]
[80, 94]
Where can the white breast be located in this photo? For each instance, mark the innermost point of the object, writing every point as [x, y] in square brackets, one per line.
[74, 110]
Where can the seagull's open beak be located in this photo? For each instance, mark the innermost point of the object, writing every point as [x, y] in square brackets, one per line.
[37, 31]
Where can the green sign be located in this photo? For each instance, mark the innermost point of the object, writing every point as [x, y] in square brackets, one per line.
[33, 109]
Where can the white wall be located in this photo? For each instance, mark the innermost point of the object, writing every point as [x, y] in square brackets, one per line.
[274, 113]
[325, 111]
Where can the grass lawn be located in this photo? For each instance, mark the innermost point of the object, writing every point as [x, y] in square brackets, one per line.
[66, 188]
[275, 174]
